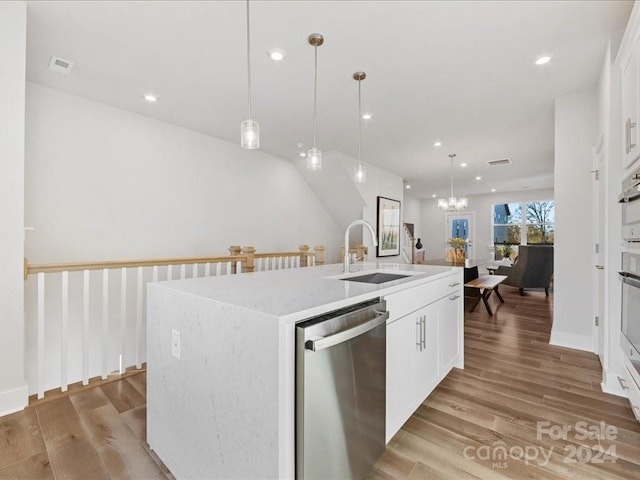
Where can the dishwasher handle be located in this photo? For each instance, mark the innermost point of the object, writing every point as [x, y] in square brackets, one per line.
[325, 342]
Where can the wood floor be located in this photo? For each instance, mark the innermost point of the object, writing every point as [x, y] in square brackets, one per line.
[481, 422]
[502, 416]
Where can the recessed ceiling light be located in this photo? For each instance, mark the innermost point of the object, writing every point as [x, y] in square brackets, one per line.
[463, 165]
[478, 178]
[407, 186]
[493, 189]
[437, 143]
[302, 154]
[366, 116]
[543, 59]
[149, 97]
[433, 196]
[276, 54]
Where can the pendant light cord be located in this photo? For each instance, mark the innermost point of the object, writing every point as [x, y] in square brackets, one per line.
[359, 123]
[315, 92]
[248, 60]
[451, 176]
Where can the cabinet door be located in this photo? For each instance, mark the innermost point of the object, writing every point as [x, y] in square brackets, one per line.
[401, 351]
[449, 311]
[629, 109]
[426, 355]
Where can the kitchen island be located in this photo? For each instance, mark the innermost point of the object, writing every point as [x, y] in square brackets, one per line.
[221, 359]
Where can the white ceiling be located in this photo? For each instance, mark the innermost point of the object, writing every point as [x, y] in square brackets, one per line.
[461, 72]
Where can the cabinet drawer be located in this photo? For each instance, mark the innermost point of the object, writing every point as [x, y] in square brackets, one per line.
[402, 303]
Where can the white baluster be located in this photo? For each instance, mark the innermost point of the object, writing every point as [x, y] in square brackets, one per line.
[218, 268]
[195, 271]
[85, 326]
[123, 319]
[64, 332]
[139, 332]
[280, 259]
[207, 269]
[228, 269]
[238, 267]
[183, 271]
[154, 273]
[297, 262]
[169, 272]
[105, 323]
[313, 260]
[40, 335]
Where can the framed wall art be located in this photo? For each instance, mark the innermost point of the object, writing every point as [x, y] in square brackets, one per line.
[388, 227]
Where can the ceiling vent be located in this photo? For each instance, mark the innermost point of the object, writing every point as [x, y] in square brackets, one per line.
[59, 65]
[502, 161]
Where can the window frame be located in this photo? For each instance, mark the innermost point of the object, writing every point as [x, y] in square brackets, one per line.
[523, 222]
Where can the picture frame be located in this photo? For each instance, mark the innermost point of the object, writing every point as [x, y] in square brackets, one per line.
[388, 227]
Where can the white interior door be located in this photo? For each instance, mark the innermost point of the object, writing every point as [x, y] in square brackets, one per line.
[461, 224]
[599, 183]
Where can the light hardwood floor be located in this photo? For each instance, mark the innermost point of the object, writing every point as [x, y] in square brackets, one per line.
[512, 380]
[516, 392]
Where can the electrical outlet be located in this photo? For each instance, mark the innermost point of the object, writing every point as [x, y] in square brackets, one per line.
[175, 343]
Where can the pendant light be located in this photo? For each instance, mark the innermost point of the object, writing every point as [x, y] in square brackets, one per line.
[249, 128]
[314, 155]
[452, 204]
[360, 171]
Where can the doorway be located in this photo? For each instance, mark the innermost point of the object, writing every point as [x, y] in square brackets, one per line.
[461, 225]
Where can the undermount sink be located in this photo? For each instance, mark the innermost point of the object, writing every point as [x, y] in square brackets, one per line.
[376, 277]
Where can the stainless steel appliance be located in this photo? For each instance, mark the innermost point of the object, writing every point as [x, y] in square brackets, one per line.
[341, 392]
[631, 207]
[630, 339]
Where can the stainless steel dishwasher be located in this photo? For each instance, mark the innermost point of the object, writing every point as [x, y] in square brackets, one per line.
[340, 392]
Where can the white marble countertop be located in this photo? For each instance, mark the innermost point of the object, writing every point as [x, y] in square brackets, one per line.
[296, 294]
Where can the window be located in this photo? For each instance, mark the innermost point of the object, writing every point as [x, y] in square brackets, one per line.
[512, 227]
[507, 220]
[540, 218]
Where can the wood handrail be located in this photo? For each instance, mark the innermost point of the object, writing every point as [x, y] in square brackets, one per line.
[280, 254]
[79, 266]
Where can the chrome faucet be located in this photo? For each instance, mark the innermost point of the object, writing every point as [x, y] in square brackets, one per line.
[347, 258]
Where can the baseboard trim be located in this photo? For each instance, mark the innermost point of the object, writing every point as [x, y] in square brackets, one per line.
[571, 340]
[12, 401]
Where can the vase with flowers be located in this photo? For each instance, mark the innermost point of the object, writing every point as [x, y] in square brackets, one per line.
[457, 251]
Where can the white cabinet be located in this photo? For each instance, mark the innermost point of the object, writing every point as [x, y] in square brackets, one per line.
[631, 387]
[426, 366]
[629, 108]
[401, 351]
[449, 334]
[422, 346]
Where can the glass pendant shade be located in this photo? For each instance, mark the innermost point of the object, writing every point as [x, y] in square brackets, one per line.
[360, 173]
[250, 134]
[314, 159]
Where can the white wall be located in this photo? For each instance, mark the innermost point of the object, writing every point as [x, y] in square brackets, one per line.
[434, 228]
[102, 184]
[106, 184]
[13, 24]
[576, 124]
[412, 213]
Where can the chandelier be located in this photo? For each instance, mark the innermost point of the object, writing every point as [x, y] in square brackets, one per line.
[452, 204]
